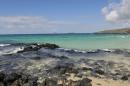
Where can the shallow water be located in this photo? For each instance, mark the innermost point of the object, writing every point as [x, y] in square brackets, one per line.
[75, 41]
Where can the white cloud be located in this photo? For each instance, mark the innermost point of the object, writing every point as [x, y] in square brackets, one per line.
[29, 24]
[118, 12]
[39, 24]
[24, 21]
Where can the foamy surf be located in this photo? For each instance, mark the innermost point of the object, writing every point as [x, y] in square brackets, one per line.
[10, 50]
[2, 45]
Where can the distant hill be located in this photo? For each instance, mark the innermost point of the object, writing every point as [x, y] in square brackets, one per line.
[124, 30]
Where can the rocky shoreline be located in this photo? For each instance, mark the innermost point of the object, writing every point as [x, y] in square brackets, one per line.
[48, 65]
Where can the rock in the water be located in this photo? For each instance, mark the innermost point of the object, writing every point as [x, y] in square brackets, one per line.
[12, 77]
[124, 78]
[36, 47]
[17, 79]
[2, 76]
[50, 46]
[118, 51]
[36, 58]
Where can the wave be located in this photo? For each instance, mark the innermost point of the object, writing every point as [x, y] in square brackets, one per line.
[10, 50]
[89, 50]
[2, 45]
[14, 48]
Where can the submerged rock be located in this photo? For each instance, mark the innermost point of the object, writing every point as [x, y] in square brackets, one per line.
[36, 58]
[118, 51]
[50, 46]
[124, 78]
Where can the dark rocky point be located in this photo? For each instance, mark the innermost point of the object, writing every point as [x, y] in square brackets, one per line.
[36, 47]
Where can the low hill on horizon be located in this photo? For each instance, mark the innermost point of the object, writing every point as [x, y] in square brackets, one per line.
[123, 30]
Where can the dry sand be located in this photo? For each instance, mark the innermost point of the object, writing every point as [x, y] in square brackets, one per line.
[108, 82]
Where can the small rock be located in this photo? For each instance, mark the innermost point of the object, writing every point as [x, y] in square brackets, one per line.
[12, 77]
[124, 78]
[36, 58]
[33, 81]
[85, 82]
[49, 82]
[1, 84]
[73, 83]
[24, 78]
[118, 51]
[99, 71]
[2, 76]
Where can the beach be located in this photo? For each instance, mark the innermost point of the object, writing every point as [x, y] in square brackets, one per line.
[48, 64]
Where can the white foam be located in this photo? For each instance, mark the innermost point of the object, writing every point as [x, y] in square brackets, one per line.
[11, 50]
[78, 51]
[122, 36]
[107, 50]
[17, 49]
[2, 45]
[83, 51]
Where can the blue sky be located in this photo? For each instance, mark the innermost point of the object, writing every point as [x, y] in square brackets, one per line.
[58, 16]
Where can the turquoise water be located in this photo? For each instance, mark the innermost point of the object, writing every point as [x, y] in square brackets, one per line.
[75, 41]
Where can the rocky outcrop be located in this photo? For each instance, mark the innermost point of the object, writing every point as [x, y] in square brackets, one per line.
[19, 79]
[64, 82]
[36, 47]
[49, 66]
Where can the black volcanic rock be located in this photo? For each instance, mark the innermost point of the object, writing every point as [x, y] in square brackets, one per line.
[99, 71]
[124, 78]
[50, 82]
[2, 76]
[12, 77]
[85, 82]
[54, 82]
[50, 46]
[36, 47]
[17, 79]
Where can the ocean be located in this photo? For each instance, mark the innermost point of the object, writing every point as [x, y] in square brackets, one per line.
[74, 55]
[73, 41]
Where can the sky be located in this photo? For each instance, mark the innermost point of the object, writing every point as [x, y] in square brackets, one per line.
[62, 16]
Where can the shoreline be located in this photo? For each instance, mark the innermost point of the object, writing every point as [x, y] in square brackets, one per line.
[50, 65]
